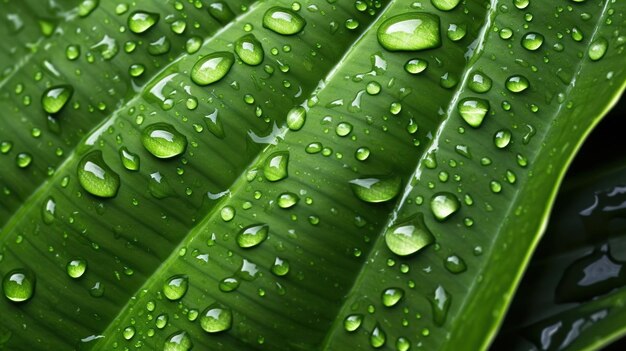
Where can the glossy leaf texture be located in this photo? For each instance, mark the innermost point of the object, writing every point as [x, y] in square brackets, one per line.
[316, 175]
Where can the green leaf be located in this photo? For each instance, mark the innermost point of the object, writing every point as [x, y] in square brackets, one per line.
[255, 202]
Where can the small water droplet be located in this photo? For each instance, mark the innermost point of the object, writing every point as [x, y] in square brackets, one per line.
[253, 235]
[96, 177]
[502, 138]
[296, 118]
[444, 205]
[445, 5]
[392, 296]
[221, 12]
[76, 268]
[532, 41]
[23, 159]
[19, 285]
[249, 50]
[597, 49]
[229, 284]
[456, 32]
[440, 302]
[376, 188]
[408, 237]
[178, 341]
[141, 21]
[455, 264]
[415, 66]
[343, 129]
[48, 210]
[283, 21]
[473, 110]
[175, 287]
[479, 82]
[410, 32]
[130, 161]
[517, 83]
[163, 141]
[362, 153]
[276, 166]
[280, 267]
[212, 67]
[287, 200]
[216, 318]
[352, 322]
[378, 337]
[55, 98]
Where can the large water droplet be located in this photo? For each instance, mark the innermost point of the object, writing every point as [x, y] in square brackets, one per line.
[253, 235]
[276, 166]
[296, 118]
[249, 50]
[76, 268]
[376, 188]
[445, 5]
[96, 177]
[410, 32]
[141, 21]
[216, 318]
[502, 138]
[55, 98]
[409, 236]
[392, 296]
[598, 48]
[283, 21]
[532, 41]
[178, 341]
[352, 322]
[444, 205]
[175, 287]
[473, 110]
[212, 68]
[163, 140]
[440, 302]
[19, 285]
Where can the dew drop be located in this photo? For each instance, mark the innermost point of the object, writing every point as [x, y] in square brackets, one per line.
[445, 5]
[479, 82]
[376, 188]
[221, 12]
[352, 322]
[408, 237]
[178, 341]
[597, 49]
[96, 177]
[130, 161]
[392, 296]
[411, 31]
[76, 267]
[48, 210]
[444, 205]
[287, 200]
[280, 267]
[216, 318]
[175, 287]
[163, 141]
[283, 21]
[19, 285]
[440, 302]
[456, 32]
[55, 98]
[296, 118]
[378, 337]
[473, 110]
[276, 166]
[249, 50]
[532, 41]
[212, 68]
[517, 83]
[502, 138]
[141, 21]
[23, 159]
[253, 235]
[415, 66]
[455, 264]
[229, 284]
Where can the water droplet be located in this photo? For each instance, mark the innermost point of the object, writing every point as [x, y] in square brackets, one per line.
[141, 21]
[229, 284]
[445, 5]
[130, 161]
[373, 88]
[19, 285]
[577, 35]
[216, 318]
[55, 98]
[76, 268]
[532, 41]
[249, 50]
[598, 48]
[221, 12]
[227, 213]
[440, 302]
[378, 337]
[410, 32]
[444, 205]
[253, 235]
[283, 21]
[517, 83]
[403, 344]
[287, 200]
[136, 70]
[376, 188]
[455, 264]
[456, 32]
[212, 67]
[362, 153]
[175, 287]
[392, 296]
[280, 267]
[415, 66]
[163, 140]
[178, 341]
[48, 210]
[276, 166]
[408, 237]
[23, 159]
[128, 333]
[473, 110]
[343, 129]
[502, 138]
[521, 4]
[479, 82]
[96, 177]
[352, 322]
[296, 118]
[160, 46]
